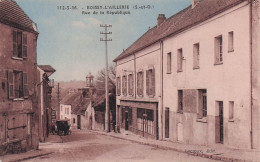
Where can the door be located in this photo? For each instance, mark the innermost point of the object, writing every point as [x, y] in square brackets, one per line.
[126, 120]
[167, 116]
[78, 121]
[221, 122]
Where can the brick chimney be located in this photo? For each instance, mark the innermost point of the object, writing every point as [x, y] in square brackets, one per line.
[194, 3]
[161, 18]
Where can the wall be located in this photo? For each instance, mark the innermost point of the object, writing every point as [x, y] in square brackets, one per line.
[226, 82]
[141, 61]
[9, 108]
[63, 114]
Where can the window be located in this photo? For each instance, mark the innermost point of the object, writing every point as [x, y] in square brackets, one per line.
[180, 101]
[140, 83]
[74, 120]
[130, 84]
[150, 82]
[18, 84]
[231, 41]
[196, 56]
[118, 88]
[231, 110]
[19, 44]
[169, 63]
[179, 60]
[202, 109]
[218, 50]
[124, 86]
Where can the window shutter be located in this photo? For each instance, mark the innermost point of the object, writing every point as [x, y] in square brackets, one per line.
[24, 46]
[138, 83]
[194, 56]
[119, 85]
[19, 44]
[132, 83]
[153, 82]
[147, 83]
[10, 76]
[142, 84]
[25, 86]
[14, 43]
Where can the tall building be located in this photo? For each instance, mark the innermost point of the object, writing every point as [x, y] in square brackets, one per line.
[194, 77]
[18, 68]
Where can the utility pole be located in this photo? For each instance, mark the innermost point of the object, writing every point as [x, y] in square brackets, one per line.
[107, 116]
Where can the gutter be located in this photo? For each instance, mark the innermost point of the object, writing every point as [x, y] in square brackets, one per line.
[251, 73]
[161, 101]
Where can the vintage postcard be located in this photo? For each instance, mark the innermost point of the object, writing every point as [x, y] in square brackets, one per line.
[139, 80]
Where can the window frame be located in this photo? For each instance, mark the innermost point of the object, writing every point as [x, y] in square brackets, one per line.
[218, 59]
[179, 60]
[169, 63]
[180, 101]
[140, 83]
[231, 41]
[196, 56]
[150, 82]
[131, 84]
[20, 45]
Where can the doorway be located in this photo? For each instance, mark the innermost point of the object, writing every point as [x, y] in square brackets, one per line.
[219, 122]
[126, 120]
[78, 122]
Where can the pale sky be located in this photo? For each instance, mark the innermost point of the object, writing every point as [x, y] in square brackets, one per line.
[70, 41]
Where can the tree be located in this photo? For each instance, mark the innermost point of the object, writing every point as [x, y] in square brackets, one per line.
[100, 81]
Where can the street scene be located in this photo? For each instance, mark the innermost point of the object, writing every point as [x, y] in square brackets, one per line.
[155, 80]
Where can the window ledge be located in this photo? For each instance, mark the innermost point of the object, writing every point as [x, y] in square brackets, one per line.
[202, 120]
[168, 72]
[231, 120]
[179, 112]
[178, 71]
[196, 67]
[229, 51]
[17, 58]
[18, 99]
[218, 63]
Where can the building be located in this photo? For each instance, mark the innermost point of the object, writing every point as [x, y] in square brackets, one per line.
[194, 77]
[18, 68]
[44, 91]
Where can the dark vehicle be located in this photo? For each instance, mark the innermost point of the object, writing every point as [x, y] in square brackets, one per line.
[63, 127]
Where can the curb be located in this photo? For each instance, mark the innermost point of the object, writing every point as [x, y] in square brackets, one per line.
[213, 156]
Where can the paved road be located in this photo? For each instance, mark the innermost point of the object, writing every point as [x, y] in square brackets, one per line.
[88, 146]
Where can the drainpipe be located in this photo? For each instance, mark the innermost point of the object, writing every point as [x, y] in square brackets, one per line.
[251, 73]
[161, 48]
[135, 73]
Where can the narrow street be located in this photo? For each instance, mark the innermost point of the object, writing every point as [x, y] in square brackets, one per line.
[89, 146]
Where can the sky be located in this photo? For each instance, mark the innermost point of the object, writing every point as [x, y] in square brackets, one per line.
[69, 41]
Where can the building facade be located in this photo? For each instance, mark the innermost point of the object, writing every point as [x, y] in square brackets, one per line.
[44, 91]
[206, 76]
[18, 68]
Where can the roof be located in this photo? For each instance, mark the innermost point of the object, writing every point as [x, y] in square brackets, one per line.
[47, 68]
[179, 22]
[11, 14]
[78, 103]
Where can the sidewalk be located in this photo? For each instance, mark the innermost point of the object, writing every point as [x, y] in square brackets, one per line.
[32, 153]
[217, 153]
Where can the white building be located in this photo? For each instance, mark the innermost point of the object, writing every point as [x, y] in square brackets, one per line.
[199, 73]
[65, 112]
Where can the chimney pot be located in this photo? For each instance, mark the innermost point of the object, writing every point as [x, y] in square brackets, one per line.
[194, 3]
[161, 18]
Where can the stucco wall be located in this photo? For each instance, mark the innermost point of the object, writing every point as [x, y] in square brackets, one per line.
[229, 81]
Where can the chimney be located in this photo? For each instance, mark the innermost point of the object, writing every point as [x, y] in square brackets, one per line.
[194, 3]
[161, 18]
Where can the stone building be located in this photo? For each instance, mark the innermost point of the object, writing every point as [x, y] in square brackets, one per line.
[18, 68]
[194, 77]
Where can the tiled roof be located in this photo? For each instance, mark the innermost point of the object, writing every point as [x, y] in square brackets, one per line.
[179, 22]
[11, 14]
[47, 68]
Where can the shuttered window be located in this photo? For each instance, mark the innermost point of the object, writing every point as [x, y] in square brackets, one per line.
[130, 84]
[118, 86]
[17, 84]
[150, 82]
[19, 44]
[140, 83]
[169, 63]
[124, 80]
